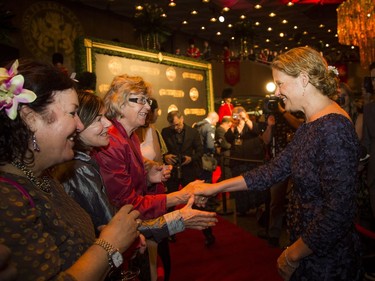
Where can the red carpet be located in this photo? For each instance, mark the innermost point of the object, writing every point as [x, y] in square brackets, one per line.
[236, 256]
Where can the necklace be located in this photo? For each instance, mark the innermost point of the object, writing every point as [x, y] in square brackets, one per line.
[42, 183]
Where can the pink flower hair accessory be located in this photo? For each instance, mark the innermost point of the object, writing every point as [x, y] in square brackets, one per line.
[12, 92]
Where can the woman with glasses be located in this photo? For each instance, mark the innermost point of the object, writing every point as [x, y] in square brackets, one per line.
[121, 163]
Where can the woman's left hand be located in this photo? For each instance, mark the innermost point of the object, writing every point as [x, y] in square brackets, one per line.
[286, 267]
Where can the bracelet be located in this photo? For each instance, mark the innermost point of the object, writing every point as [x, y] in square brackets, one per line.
[288, 262]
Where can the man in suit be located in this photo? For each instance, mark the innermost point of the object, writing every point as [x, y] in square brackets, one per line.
[368, 141]
[185, 151]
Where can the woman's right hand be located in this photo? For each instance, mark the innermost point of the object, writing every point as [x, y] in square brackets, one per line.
[196, 219]
[122, 230]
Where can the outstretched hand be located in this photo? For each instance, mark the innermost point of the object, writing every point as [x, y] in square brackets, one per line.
[196, 219]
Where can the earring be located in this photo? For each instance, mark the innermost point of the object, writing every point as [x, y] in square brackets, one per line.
[35, 144]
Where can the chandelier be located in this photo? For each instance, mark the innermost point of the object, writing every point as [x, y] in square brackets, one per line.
[356, 26]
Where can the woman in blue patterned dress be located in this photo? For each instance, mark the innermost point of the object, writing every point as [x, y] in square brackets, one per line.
[322, 162]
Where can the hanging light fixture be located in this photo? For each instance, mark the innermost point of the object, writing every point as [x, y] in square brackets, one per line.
[356, 25]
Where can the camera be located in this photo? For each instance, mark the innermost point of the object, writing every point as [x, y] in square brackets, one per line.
[179, 159]
[236, 116]
[367, 84]
[270, 104]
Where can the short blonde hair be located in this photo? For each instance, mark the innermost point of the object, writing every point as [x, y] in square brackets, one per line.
[121, 88]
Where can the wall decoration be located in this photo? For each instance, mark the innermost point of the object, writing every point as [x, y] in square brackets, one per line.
[47, 28]
[177, 83]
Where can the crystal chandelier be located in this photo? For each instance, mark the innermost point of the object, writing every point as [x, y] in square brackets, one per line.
[356, 26]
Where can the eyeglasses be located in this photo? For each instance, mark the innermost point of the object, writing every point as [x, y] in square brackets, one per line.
[141, 100]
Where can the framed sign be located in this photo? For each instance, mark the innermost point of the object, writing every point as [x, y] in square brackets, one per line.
[178, 83]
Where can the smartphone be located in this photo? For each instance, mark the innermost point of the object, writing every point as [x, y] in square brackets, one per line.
[367, 84]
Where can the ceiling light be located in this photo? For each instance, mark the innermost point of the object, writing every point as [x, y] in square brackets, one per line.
[267, 40]
[272, 15]
[218, 33]
[205, 1]
[295, 27]
[194, 12]
[327, 45]
[281, 34]
[269, 29]
[290, 4]
[257, 6]
[221, 19]
[242, 17]
[284, 21]
[171, 3]
[184, 22]
[257, 23]
[203, 28]
[230, 25]
[163, 15]
[139, 7]
[329, 30]
[305, 32]
[226, 9]
[213, 19]
[232, 38]
[321, 25]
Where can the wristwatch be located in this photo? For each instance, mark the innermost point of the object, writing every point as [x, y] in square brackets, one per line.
[114, 256]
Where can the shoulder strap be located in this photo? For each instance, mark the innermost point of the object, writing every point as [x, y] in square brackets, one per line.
[20, 189]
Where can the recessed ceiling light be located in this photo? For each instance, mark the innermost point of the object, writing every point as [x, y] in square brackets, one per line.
[221, 19]
[267, 40]
[226, 9]
[194, 12]
[258, 6]
[321, 25]
[284, 21]
[257, 23]
[203, 28]
[184, 22]
[205, 1]
[218, 33]
[232, 38]
[272, 15]
[327, 45]
[242, 17]
[290, 4]
[172, 4]
[139, 7]
[305, 33]
[269, 29]
[329, 30]
[213, 19]
[281, 34]
[230, 25]
[163, 15]
[295, 27]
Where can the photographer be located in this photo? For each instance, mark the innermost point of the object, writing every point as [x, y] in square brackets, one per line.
[283, 131]
[247, 152]
[185, 151]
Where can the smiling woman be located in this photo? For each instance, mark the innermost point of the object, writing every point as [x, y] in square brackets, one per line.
[38, 123]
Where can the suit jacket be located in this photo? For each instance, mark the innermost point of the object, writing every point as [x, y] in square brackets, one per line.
[191, 146]
[369, 139]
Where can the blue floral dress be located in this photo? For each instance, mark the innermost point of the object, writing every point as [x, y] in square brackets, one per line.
[322, 161]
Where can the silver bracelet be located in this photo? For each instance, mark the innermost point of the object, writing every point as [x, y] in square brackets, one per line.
[288, 262]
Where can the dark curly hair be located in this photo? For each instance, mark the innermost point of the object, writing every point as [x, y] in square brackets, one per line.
[45, 81]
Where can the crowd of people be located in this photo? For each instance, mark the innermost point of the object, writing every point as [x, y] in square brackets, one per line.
[89, 182]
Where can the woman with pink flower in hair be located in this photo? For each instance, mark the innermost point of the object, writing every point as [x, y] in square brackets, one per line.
[50, 236]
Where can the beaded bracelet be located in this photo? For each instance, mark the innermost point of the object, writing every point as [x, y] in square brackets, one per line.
[288, 262]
